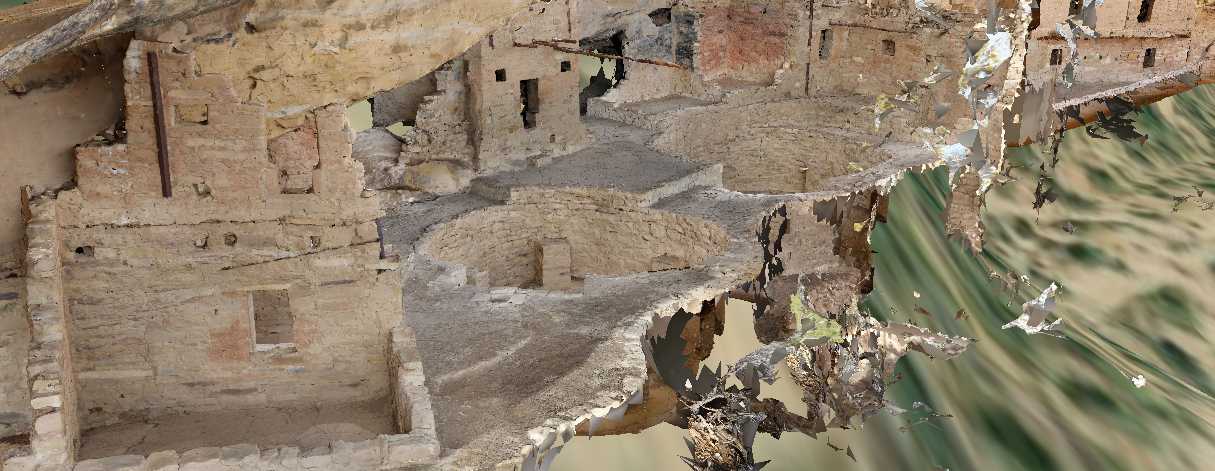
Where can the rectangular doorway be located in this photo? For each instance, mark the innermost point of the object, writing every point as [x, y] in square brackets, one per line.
[529, 94]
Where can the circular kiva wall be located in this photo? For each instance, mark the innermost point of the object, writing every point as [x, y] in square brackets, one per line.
[764, 148]
[501, 241]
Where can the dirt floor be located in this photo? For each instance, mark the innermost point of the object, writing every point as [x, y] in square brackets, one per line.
[303, 427]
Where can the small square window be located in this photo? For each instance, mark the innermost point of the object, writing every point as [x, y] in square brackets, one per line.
[1056, 56]
[273, 323]
[1149, 58]
[566, 66]
[888, 47]
[500, 75]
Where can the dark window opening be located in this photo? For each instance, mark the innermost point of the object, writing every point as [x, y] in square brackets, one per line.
[1074, 7]
[529, 95]
[1056, 56]
[566, 66]
[272, 320]
[500, 75]
[84, 251]
[888, 47]
[1035, 15]
[1145, 11]
[661, 16]
[1149, 58]
[491, 41]
[824, 44]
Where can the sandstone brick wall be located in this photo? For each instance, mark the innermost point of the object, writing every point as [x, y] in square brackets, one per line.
[1118, 18]
[416, 446]
[604, 239]
[155, 337]
[850, 51]
[499, 132]
[55, 435]
[159, 290]
[438, 154]
[217, 143]
[1106, 62]
[766, 145]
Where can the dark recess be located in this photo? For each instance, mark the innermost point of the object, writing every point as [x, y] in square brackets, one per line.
[661, 16]
[1149, 58]
[529, 94]
[1145, 11]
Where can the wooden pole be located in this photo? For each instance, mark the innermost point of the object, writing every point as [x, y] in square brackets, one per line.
[554, 45]
[158, 114]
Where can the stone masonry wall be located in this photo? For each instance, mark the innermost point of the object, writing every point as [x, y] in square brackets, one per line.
[161, 288]
[766, 145]
[864, 52]
[416, 447]
[605, 239]
[437, 153]
[496, 66]
[55, 435]
[1120, 18]
[1106, 62]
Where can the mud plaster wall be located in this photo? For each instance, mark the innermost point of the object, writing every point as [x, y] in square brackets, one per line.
[606, 237]
[44, 112]
[1120, 18]
[14, 350]
[746, 41]
[495, 105]
[160, 288]
[764, 148]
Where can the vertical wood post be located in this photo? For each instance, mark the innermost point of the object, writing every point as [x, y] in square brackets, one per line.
[158, 114]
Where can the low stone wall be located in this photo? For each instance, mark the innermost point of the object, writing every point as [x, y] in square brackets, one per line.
[609, 235]
[55, 435]
[769, 149]
[418, 445]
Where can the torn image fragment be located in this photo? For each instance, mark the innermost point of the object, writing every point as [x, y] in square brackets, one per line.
[1035, 312]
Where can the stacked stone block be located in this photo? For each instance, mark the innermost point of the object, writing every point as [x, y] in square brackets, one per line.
[56, 433]
[554, 260]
